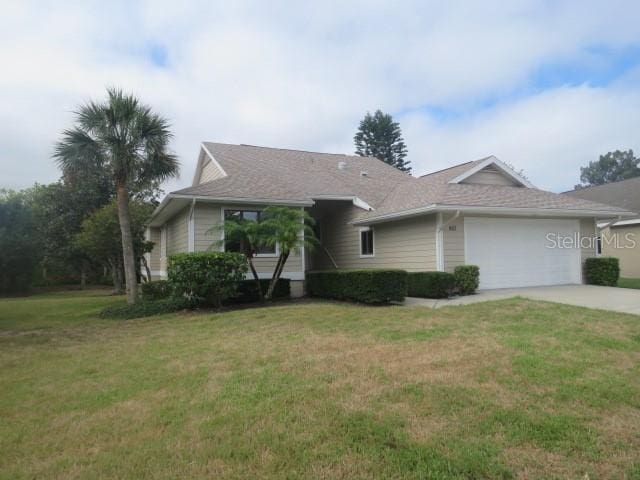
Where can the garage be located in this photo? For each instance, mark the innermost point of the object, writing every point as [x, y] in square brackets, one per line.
[515, 252]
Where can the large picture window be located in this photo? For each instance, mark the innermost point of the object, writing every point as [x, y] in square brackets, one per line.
[251, 215]
[366, 242]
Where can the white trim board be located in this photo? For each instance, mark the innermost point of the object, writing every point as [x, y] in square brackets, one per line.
[503, 167]
[269, 275]
[201, 163]
[464, 209]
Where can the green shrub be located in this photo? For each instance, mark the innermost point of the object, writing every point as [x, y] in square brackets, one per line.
[156, 290]
[467, 279]
[206, 277]
[366, 286]
[602, 271]
[248, 292]
[146, 308]
[430, 284]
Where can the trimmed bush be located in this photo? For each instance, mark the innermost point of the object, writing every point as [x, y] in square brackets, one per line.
[467, 279]
[206, 277]
[366, 286]
[147, 308]
[430, 284]
[248, 293]
[156, 290]
[602, 271]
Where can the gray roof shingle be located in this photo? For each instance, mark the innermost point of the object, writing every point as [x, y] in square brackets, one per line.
[272, 173]
[624, 194]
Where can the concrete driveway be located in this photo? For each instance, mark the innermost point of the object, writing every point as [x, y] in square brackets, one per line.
[625, 300]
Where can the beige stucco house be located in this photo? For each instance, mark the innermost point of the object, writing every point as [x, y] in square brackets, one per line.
[620, 238]
[371, 215]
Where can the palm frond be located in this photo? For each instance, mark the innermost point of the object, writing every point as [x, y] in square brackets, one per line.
[78, 152]
[123, 137]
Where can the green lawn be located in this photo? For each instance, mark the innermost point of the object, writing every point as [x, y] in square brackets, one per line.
[509, 389]
[629, 283]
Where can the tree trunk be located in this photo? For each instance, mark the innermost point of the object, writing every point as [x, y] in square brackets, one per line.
[276, 274]
[83, 275]
[146, 268]
[117, 279]
[256, 277]
[122, 197]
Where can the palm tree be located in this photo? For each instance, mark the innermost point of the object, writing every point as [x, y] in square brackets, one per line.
[290, 229]
[247, 234]
[125, 141]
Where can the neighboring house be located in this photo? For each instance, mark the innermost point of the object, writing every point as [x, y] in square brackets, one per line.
[621, 238]
[371, 215]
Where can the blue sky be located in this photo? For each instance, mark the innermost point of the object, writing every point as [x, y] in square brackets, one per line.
[545, 86]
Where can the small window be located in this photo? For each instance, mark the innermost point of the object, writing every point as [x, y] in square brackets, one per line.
[366, 242]
[599, 246]
[253, 216]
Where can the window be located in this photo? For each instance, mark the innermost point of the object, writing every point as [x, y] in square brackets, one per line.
[253, 216]
[366, 242]
[599, 246]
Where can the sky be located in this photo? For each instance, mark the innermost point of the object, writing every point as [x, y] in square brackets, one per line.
[546, 86]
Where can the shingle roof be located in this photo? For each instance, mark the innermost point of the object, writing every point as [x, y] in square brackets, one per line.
[624, 194]
[272, 173]
[296, 175]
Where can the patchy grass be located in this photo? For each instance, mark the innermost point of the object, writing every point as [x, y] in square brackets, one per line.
[629, 283]
[509, 389]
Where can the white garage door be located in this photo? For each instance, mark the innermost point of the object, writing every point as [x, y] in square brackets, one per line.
[514, 252]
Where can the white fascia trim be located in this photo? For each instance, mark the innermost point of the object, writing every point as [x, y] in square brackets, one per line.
[620, 223]
[551, 212]
[213, 160]
[506, 169]
[198, 172]
[396, 215]
[267, 275]
[200, 165]
[245, 200]
[357, 201]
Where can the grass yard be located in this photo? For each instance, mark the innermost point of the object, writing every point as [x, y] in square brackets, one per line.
[629, 283]
[509, 389]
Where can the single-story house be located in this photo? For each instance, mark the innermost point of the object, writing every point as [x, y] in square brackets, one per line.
[620, 238]
[371, 215]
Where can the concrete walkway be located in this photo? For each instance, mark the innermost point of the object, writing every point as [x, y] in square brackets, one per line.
[625, 300]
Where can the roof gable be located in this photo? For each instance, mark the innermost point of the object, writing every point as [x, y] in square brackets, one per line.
[492, 166]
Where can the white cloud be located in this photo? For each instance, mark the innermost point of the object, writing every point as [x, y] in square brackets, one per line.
[301, 75]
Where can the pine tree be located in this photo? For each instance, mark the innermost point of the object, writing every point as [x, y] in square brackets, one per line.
[379, 136]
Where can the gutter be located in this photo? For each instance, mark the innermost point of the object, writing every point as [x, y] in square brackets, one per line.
[229, 200]
[553, 212]
[607, 225]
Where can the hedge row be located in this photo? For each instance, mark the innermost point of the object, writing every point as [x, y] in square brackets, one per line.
[431, 284]
[602, 271]
[464, 280]
[366, 286]
[247, 291]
